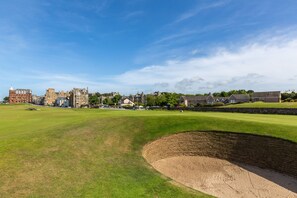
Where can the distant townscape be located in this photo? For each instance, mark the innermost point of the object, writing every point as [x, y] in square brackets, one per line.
[81, 98]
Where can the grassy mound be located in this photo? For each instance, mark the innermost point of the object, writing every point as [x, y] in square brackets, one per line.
[97, 153]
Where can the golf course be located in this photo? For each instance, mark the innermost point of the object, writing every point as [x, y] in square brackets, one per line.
[54, 152]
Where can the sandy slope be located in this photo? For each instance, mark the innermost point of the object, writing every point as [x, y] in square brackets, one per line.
[224, 179]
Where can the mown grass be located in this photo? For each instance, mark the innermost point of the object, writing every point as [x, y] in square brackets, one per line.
[263, 105]
[96, 153]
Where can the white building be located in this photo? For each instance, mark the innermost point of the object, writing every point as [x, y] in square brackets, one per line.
[127, 102]
[62, 102]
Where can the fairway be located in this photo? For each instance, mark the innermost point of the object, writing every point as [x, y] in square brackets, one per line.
[57, 152]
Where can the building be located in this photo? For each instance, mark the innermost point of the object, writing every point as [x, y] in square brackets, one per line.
[222, 99]
[79, 98]
[20, 96]
[271, 96]
[126, 102]
[62, 102]
[189, 101]
[51, 96]
[139, 98]
[38, 100]
[239, 98]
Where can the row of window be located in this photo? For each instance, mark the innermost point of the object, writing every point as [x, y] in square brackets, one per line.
[20, 101]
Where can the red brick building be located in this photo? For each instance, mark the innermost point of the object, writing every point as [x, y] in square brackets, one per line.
[20, 96]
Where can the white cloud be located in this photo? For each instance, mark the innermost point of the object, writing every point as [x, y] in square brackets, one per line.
[270, 65]
[195, 51]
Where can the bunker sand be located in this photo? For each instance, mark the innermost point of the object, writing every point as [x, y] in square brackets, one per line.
[221, 178]
[226, 164]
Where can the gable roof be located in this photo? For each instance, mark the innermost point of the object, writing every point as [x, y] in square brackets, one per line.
[267, 94]
[241, 96]
[221, 98]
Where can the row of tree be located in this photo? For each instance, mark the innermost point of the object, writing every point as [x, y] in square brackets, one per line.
[172, 99]
[164, 99]
[229, 93]
[289, 96]
[94, 99]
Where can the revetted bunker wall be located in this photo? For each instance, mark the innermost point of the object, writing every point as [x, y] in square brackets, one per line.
[261, 151]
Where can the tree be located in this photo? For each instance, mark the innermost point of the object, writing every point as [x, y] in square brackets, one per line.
[161, 100]
[6, 99]
[98, 94]
[150, 100]
[289, 96]
[216, 94]
[107, 101]
[250, 92]
[223, 94]
[116, 99]
[93, 100]
[172, 99]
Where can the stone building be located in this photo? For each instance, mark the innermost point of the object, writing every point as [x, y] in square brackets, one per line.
[20, 96]
[38, 100]
[270, 96]
[239, 98]
[139, 98]
[222, 99]
[79, 98]
[51, 96]
[197, 100]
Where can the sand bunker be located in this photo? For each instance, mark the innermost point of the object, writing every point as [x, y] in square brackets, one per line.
[221, 178]
[227, 164]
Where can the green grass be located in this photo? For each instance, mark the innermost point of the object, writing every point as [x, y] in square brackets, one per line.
[263, 105]
[97, 153]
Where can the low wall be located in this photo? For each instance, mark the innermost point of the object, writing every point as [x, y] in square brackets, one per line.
[282, 111]
[261, 151]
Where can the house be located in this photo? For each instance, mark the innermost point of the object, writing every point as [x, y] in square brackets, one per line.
[20, 96]
[62, 102]
[140, 98]
[222, 99]
[38, 100]
[51, 96]
[239, 98]
[197, 100]
[126, 102]
[79, 98]
[271, 96]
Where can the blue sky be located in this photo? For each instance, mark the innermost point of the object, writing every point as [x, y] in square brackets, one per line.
[191, 46]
